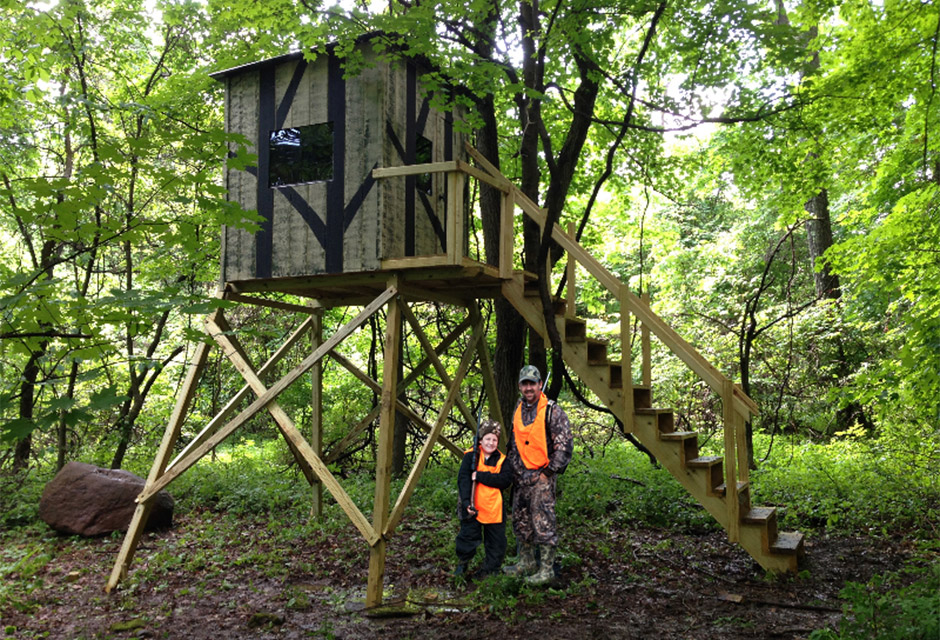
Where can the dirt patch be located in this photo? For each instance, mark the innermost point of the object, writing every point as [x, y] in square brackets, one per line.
[193, 582]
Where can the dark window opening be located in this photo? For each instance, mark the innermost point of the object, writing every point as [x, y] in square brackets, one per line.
[423, 156]
[301, 154]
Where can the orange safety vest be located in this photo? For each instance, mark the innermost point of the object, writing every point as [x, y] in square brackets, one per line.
[488, 501]
[531, 440]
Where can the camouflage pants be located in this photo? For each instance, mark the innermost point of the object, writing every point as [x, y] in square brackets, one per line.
[533, 512]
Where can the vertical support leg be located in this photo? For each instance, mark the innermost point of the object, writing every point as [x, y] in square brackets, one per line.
[383, 463]
[626, 366]
[316, 411]
[170, 435]
[730, 461]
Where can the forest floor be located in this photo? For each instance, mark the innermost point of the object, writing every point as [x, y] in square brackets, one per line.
[212, 576]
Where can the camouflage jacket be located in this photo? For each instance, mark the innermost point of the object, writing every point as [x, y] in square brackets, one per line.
[561, 446]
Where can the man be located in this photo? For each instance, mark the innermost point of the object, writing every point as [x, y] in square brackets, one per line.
[539, 450]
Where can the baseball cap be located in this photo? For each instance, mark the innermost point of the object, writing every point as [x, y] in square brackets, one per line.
[530, 373]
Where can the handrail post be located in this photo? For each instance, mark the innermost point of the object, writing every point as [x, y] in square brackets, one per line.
[571, 291]
[730, 460]
[646, 364]
[506, 234]
[626, 372]
[740, 429]
[455, 222]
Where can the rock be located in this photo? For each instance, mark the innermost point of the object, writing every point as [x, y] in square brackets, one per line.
[90, 501]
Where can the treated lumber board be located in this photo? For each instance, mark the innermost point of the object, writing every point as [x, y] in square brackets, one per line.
[273, 304]
[258, 405]
[435, 360]
[170, 435]
[383, 461]
[414, 169]
[447, 341]
[489, 378]
[242, 393]
[407, 411]
[429, 442]
[306, 456]
[221, 332]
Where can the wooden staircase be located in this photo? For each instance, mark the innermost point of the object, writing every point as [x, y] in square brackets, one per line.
[720, 484]
[702, 476]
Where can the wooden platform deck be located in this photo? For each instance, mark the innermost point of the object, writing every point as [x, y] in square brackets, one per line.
[429, 278]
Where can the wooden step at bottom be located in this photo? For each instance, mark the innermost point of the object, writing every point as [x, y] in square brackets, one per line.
[788, 542]
[759, 515]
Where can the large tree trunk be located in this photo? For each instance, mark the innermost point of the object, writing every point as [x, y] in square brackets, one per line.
[819, 239]
[510, 327]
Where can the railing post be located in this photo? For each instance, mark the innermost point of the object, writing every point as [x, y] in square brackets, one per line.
[730, 461]
[571, 292]
[455, 221]
[626, 371]
[506, 234]
[740, 429]
[646, 365]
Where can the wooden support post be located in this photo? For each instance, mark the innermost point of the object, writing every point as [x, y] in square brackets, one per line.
[647, 365]
[730, 459]
[455, 219]
[316, 411]
[571, 268]
[626, 366]
[170, 435]
[422, 460]
[506, 234]
[383, 463]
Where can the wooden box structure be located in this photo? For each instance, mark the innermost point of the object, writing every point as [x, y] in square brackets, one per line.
[318, 136]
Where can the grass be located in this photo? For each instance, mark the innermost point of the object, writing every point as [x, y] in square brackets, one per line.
[850, 486]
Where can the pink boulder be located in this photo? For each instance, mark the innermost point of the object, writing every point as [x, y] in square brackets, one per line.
[90, 501]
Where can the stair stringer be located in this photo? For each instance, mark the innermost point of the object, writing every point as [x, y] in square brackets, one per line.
[757, 538]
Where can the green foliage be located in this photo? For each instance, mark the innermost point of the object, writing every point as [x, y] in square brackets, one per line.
[897, 606]
[853, 484]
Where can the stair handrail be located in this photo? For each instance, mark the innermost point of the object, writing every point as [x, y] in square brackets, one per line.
[743, 404]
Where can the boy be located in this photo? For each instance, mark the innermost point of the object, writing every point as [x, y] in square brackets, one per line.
[484, 519]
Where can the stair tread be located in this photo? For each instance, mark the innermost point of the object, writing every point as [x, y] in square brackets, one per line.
[720, 489]
[759, 515]
[704, 461]
[677, 435]
[652, 411]
[790, 542]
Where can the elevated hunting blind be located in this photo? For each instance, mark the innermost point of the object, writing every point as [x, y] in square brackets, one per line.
[360, 186]
[318, 136]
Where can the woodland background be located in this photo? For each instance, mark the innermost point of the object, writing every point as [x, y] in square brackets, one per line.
[769, 173]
